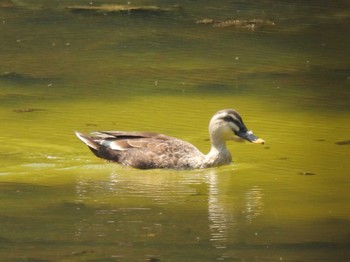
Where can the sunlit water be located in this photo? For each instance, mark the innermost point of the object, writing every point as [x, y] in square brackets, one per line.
[287, 200]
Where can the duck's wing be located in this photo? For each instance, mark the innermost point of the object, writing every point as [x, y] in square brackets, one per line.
[120, 135]
[121, 141]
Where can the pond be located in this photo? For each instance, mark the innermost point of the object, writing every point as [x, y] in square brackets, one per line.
[284, 65]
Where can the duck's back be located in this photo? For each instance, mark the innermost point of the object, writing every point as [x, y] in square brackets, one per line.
[143, 150]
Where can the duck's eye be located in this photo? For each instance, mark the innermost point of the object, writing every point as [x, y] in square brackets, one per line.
[236, 122]
[228, 119]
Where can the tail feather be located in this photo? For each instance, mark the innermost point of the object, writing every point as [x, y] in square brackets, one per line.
[99, 150]
[88, 141]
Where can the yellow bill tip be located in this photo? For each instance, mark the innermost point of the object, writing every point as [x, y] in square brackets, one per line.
[259, 141]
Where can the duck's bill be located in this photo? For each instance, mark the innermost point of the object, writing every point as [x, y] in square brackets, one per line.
[248, 135]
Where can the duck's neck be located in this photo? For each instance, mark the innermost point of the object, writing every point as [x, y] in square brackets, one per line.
[218, 155]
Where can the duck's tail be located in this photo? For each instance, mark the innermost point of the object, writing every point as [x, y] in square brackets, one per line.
[94, 146]
[99, 149]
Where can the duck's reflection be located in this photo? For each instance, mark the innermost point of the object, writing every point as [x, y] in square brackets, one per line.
[253, 203]
[227, 214]
[118, 197]
[220, 219]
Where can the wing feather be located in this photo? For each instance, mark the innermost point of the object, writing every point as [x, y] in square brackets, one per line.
[129, 135]
[120, 145]
[121, 141]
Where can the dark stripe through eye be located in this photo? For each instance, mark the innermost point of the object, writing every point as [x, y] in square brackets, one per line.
[228, 118]
[231, 119]
[239, 123]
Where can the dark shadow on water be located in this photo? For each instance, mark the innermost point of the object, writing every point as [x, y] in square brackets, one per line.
[18, 78]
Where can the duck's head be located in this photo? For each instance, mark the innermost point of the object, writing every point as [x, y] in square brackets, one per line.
[227, 122]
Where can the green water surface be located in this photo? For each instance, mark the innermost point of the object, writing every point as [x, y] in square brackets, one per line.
[60, 71]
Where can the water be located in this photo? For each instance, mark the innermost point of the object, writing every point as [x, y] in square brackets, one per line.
[62, 71]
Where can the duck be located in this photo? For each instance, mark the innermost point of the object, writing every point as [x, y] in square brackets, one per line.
[147, 150]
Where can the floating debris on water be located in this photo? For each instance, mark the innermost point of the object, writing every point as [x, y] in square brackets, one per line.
[306, 173]
[153, 259]
[343, 142]
[19, 4]
[23, 78]
[14, 75]
[7, 4]
[120, 8]
[91, 124]
[205, 21]
[252, 25]
[81, 252]
[27, 110]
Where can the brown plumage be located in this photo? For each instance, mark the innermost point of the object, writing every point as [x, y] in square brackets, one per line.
[152, 150]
